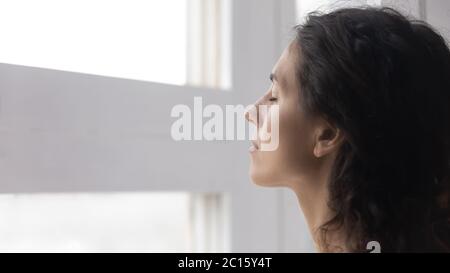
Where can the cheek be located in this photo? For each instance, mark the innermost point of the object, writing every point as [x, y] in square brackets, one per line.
[295, 149]
[294, 153]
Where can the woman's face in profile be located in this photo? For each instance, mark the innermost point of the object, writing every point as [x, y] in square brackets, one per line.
[294, 157]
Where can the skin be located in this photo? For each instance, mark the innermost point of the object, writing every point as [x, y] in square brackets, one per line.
[307, 146]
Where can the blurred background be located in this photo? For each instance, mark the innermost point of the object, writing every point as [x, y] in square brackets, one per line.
[87, 162]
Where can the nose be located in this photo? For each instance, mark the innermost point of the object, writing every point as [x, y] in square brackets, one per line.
[251, 114]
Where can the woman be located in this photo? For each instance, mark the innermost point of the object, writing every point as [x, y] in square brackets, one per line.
[364, 131]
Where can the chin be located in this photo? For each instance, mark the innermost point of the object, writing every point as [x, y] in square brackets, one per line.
[263, 178]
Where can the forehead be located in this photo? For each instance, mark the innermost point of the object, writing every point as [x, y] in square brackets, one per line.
[285, 68]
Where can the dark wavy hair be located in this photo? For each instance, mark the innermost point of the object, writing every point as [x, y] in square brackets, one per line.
[384, 80]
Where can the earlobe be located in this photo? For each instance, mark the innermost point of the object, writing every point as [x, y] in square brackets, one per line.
[317, 152]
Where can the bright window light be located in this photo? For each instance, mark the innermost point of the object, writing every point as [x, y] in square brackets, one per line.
[96, 222]
[134, 39]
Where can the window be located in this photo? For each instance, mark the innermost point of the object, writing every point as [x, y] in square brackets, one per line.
[84, 136]
[179, 42]
[95, 222]
[110, 222]
[171, 41]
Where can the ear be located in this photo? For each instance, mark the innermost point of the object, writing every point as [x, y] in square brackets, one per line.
[328, 139]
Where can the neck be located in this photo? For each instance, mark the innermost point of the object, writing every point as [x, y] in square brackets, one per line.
[313, 195]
